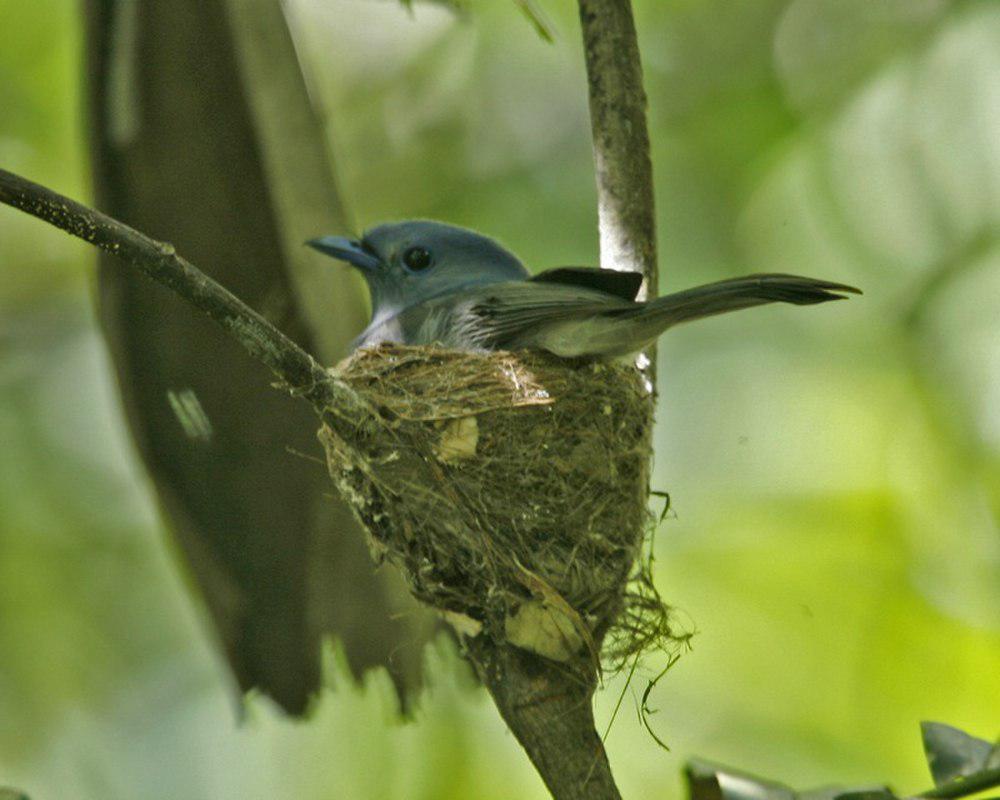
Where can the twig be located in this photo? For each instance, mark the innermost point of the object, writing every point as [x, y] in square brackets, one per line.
[298, 370]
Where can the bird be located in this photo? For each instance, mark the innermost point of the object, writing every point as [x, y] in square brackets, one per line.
[432, 283]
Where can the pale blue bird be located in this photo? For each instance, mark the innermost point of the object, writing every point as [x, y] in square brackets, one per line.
[433, 283]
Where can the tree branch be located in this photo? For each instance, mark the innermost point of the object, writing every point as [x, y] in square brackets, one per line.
[621, 139]
[298, 370]
[549, 711]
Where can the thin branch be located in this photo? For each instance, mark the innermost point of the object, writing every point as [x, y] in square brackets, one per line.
[298, 370]
[624, 169]
[621, 139]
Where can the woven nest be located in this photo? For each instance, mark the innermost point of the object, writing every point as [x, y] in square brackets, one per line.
[510, 489]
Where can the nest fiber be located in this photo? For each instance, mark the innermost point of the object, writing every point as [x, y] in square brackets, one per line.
[510, 489]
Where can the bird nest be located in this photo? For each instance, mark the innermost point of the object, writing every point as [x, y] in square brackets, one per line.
[510, 489]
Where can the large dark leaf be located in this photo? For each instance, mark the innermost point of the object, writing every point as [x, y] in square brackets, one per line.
[189, 149]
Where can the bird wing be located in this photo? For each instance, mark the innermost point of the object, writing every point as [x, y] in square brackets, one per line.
[624, 285]
[507, 315]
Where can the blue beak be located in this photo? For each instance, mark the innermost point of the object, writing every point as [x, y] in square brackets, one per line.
[343, 249]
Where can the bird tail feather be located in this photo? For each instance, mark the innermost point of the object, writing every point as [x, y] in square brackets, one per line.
[624, 329]
[737, 293]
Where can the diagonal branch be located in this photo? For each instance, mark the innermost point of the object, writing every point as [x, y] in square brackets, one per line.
[298, 370]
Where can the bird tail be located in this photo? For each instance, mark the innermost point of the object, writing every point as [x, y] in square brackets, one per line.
[646, 321]
[737, 293]
[582, 327]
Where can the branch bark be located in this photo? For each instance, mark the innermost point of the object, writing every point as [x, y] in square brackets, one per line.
[549, 710]
[624, 169]
[301, 374]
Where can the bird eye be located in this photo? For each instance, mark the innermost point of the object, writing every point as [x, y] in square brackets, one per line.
[417, 259]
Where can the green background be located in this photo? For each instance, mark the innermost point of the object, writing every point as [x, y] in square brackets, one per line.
[835, 472]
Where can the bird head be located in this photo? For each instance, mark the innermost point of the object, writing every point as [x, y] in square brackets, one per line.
[406, 263]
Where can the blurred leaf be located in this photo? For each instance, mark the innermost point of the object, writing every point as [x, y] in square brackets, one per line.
[826, 49]
[952, 753]
[279, 560]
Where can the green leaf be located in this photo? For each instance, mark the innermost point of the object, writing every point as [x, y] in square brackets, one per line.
[952, 753]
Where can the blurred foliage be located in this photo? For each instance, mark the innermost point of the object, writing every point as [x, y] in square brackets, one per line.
[835, 472]
[960, 764]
